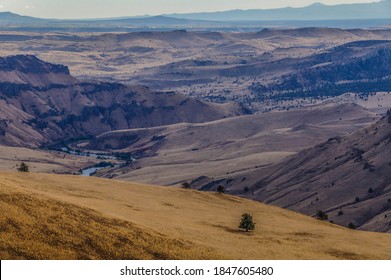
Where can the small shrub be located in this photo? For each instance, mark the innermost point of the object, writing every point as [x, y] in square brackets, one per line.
[320, 215]
[357, 199]
[340, 213]
[370, 190]
[247, 222]
[352, 226]
[220, 189]
[186, 185]
[23, 167]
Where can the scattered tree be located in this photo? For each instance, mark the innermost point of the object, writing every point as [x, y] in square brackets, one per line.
[247, 222]
[370, 190]
[357, 199]
[220, 189]
[186, 185]
[340, 213]
[321, 215]
[23, 167]
[352, 226]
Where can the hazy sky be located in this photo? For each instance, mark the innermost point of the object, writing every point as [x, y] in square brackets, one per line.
[117, 8]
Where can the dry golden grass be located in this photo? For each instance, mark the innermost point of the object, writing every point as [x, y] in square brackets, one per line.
[35, 228]
[141, 221]
[43, 161]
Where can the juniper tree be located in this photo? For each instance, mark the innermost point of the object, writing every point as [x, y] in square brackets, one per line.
[186, 185]
[321, 215]
[247, 222]
[221, 189]
[23, 167]
[352, 226]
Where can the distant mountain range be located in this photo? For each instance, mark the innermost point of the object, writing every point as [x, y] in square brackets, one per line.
[317, 11]
[376, 14]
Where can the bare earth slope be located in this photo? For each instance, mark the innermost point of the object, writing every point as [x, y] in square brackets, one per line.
[140, 221]
[231, 145]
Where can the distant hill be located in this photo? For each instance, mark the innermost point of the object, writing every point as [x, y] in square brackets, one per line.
[317, 11]
[42, 103]
[159, 20]
[11, 18]
[376, 14]
[362, 66]
[69, 217]
[11, 21]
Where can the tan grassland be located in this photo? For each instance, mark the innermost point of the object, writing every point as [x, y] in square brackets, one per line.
[68, 217]
[43, 161]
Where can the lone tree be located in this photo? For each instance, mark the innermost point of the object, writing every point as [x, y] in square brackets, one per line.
[247, 222]
[352, 226]
[23, 167]
[221, 189]
[320, 215]
[186, 185]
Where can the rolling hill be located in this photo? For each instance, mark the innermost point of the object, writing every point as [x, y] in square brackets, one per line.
[8, 18]
[69, 217]
[227, 146]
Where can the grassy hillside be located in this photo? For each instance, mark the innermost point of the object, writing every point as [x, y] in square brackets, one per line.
[43, 160]
[53, 216]
[41, 228]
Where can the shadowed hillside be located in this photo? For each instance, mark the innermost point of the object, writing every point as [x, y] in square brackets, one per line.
[347, 177]
[41, 104]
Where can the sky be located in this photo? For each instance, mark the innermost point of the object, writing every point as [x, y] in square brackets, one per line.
[71, 9]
